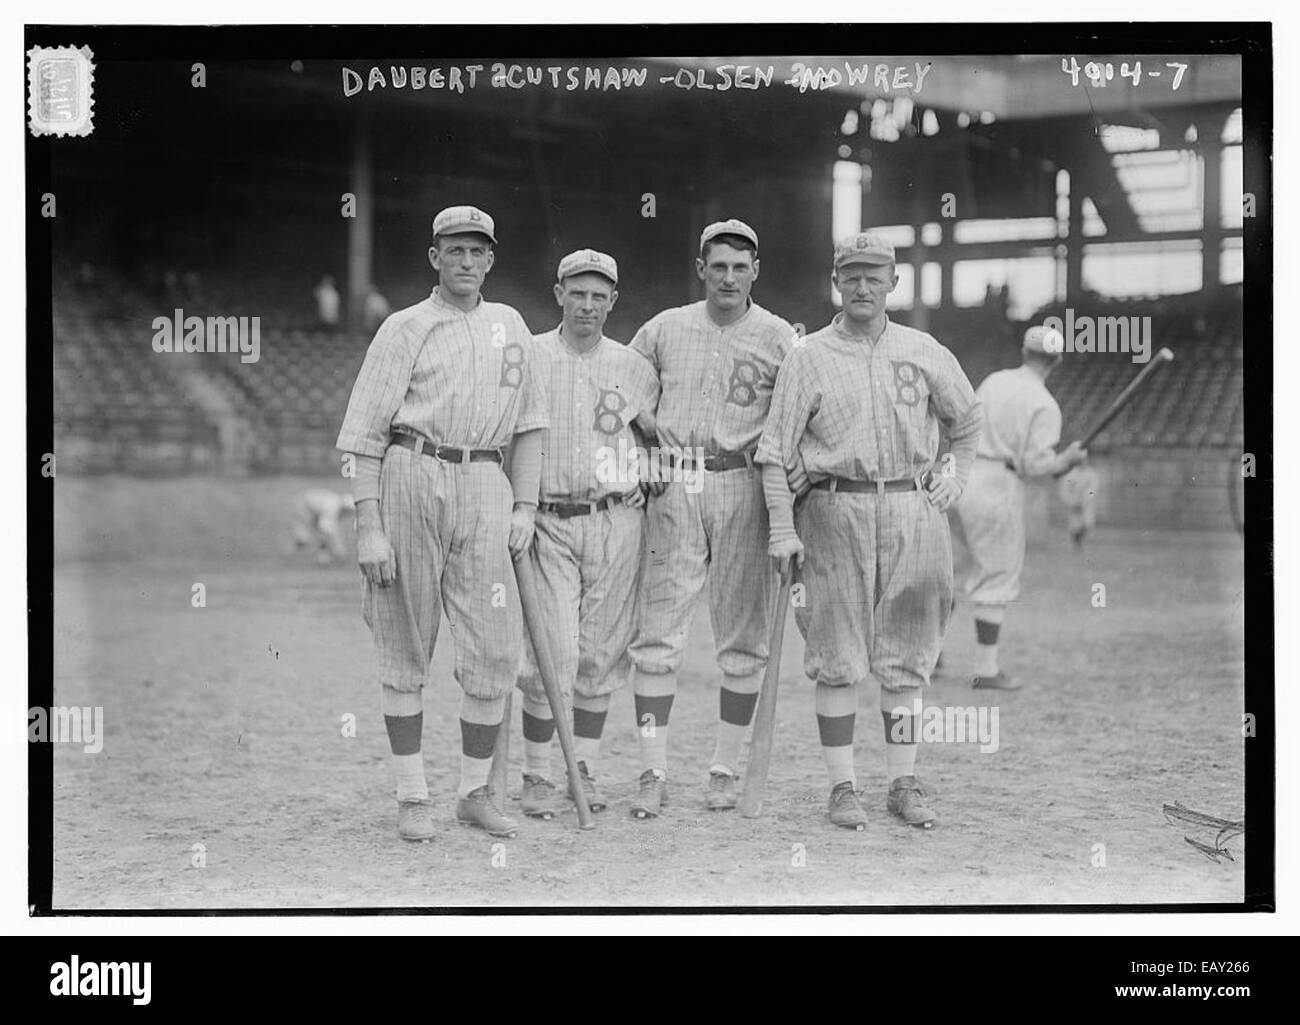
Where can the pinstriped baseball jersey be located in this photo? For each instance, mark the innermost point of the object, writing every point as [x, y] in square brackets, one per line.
[716, 382]
[594, 397]
[1022, 421]
[848, 408]
[463, 379]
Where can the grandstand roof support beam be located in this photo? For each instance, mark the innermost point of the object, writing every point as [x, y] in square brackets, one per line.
[1074, 244]
[1212, 224]
[361, 226]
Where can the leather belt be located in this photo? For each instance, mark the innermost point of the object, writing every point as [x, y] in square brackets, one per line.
[446, 453]
[715, 464]
[834, 484]
[567, 510]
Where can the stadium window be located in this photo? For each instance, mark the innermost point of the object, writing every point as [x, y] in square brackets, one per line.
[1031, 283]
[1130, 270]
[1093, 225]
[903, 297]
[931, 234]
[1127, 139]
[1232, 128]
[931, 285]
[1230, 186]
[1163, 187]
[1011, 230]
[1231, 265]
[897, 235]
[846, 199]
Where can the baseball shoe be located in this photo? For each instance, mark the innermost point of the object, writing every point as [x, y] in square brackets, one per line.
[998, 681]
[722, 791]
[478, 809]
[907, 801]
[651, 795]
[844, 808]
[415, 819]
[595, 799]
[540, 798]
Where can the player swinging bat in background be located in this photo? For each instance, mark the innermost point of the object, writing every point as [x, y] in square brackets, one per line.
[1022, 427]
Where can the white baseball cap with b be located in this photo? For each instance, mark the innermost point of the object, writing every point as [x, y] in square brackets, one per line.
[728, 227]
[460, 220]
[585, 260]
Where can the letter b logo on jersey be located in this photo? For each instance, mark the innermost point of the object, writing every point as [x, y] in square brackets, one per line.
[907, 379]
[512, 366]
[742, 389]
[609, 411]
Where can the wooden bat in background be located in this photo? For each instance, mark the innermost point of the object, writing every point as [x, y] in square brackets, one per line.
[536, 623]
[760, 748]
[1123, 398]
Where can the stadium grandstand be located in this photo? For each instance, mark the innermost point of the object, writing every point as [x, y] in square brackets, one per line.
[1013, 190]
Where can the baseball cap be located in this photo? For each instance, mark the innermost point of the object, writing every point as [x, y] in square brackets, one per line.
[728, 227]
[864, 247]
[460, 219]
[1043, 339]
[584, 260]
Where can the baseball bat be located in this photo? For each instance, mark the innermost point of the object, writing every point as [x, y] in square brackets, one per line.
[536, 623]
[760, 751]
[1126, 396]
[501, 757]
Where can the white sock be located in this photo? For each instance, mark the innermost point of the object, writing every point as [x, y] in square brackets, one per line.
[408, 772]
[537, 758]
[839, 765]
[900, 760]
[587, 750]
[474, 773]
[731, 736]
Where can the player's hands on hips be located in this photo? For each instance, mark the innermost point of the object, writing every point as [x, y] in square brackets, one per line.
[784, 550]
[634, 499]
[522, 526]
[942, 492]
[375, 556]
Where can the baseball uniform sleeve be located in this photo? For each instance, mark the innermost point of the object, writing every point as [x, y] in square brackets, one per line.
[365, 478]
[534, 406]
[1039, 457]
[646, 343]
[526, 466]
[787, 417]
[959, 413]
[644, 385]
[780, 504]
[380, 387]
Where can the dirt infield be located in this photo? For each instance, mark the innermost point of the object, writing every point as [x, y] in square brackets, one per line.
[224, 727]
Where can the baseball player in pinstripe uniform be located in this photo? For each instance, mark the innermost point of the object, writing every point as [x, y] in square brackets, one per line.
[587, 547]
[854, 432]
[445, 385]
[1022, 427]
[717, 362]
